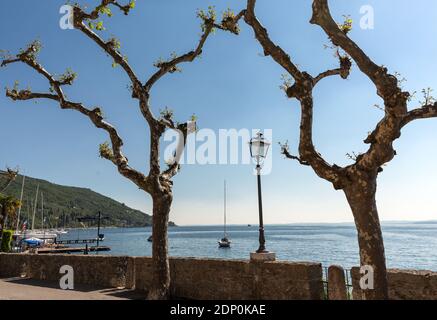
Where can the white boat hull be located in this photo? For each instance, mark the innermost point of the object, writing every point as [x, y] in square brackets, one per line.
[36, 234]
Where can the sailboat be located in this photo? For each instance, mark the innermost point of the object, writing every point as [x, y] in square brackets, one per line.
[21, 202]
[224, 242]
[41, 234]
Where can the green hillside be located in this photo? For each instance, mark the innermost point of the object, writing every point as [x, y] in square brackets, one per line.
[72, 203]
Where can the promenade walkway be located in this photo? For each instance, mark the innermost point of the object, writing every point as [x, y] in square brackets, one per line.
[29, 289]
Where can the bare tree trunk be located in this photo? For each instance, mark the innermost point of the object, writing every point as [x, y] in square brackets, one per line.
[361, 197]
[160, 289]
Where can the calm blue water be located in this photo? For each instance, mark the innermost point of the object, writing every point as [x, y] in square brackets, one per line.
[408, 245]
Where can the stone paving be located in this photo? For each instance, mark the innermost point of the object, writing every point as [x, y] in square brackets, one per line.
[29, 289]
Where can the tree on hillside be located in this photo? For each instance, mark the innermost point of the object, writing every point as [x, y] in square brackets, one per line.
[157, 182]
[8, 204]
[8, 210]
[358, 180]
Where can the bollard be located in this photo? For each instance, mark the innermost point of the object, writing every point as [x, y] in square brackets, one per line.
[336, 283]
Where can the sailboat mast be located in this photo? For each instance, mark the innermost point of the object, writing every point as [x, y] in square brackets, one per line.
[42, 211]
[28, 207]
[34, 207]
[21, 203]
[224, 208]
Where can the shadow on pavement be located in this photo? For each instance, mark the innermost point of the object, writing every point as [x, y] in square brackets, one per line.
[121, 293]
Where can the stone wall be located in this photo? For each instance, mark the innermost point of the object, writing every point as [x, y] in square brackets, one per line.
[191, 278]
[91, 269]
[211, 278]
[226, 279]
[403, 284]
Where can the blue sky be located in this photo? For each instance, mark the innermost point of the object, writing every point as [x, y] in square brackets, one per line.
[231, 86]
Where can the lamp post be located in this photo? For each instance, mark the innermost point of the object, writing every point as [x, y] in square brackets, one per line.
[258, 151]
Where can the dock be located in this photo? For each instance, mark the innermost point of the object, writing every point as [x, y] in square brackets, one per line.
[73, 250]
[78, 241]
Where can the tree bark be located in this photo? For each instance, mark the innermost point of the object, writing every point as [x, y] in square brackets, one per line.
[160, 289]
[361, 197]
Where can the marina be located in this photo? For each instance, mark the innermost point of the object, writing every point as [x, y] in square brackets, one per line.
[45, 241]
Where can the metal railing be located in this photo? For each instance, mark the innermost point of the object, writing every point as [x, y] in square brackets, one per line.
[348, 283]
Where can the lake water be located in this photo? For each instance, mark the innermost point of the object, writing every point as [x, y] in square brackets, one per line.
[411, 245]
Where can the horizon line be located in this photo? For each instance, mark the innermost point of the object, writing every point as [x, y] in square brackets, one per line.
[302, 223]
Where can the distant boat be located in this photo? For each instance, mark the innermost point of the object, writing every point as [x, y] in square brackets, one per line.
[150, 239]
[34, 242]
[224, 242]
[58, 231]
[40, 234]
[249, 225]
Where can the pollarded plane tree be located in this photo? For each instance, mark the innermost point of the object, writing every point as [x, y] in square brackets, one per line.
[157, 182]
[358, 180]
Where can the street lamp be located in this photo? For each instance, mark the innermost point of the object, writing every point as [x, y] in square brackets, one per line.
[258, 151]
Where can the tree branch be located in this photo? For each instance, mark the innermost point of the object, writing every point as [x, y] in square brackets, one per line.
[385, 83]
[308, 152]
[171, 66]
[156, 128]
[285, 151]
[328, 73]
[8, 61]
[184, 130]
[155, 179]
[301, 90]
[270, 48]
[93, 15]
[108, 47]
[395, 101]
[343, 71]
[229, 23]
[425, 112]
[115, 156]
[29, 95]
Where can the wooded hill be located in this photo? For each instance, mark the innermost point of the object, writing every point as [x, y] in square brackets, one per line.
[72, 203]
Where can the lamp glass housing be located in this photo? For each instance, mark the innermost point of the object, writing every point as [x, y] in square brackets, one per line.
[259, 147]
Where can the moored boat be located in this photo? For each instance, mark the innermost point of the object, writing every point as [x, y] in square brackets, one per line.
[224, 242]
